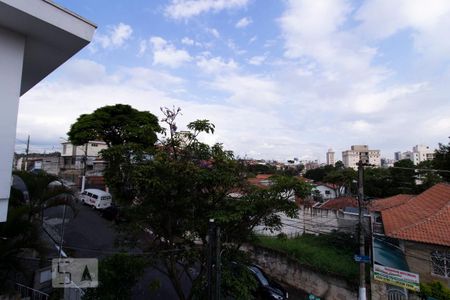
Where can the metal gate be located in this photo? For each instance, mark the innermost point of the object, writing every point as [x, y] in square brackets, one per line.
[396, 293]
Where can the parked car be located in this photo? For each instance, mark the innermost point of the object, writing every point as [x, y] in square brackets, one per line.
[267, 288]
[96, 198]
[114, 213]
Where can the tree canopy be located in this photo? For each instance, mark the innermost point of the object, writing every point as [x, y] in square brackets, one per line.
[184, 184]
[116, 125]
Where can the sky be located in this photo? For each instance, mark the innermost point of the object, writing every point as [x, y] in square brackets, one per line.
[279, 79]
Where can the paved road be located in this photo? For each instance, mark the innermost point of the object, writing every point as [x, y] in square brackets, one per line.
[88, 235]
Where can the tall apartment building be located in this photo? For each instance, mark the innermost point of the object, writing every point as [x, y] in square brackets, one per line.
[351, 157]
[418, 154]
[330, 157]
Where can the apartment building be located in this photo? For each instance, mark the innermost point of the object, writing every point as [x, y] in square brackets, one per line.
[418, 154]
[351, 157]
[330, 157]
[72, 157]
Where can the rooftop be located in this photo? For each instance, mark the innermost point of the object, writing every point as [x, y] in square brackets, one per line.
[340, 203]
[423, 218]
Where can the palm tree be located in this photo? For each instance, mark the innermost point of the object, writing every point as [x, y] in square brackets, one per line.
[20, 235]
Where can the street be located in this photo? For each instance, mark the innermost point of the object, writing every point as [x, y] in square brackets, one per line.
[88, 235]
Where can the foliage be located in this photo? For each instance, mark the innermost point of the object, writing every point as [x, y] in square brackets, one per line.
[427, 178]
[41, 194]
[330, 253]
[117, 276]
[183, 185]
[20, 234]
[442, 160]
[403, 180]
[318, 174]
[434, 289]
[260, 169]
[377, 182]
[116, 125]
[342, 178]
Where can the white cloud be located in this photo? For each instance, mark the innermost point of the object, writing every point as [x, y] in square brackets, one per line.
[249, 89]
[214, 32]
[165, 53]
[117, 35]
[187, 41]
[216, 65]
[257, 60]
[185, 9]
[429, 22]
[244, 22]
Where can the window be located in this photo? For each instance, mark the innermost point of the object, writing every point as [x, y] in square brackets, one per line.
[440, 263]
[94, 145]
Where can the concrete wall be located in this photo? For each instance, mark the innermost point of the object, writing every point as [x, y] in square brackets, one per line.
[314, 221]
[418, 257]
[290, 272]
[12, 47]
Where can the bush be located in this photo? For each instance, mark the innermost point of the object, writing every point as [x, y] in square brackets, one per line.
[434, 289]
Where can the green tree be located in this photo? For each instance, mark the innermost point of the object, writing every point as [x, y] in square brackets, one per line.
[129, 133]
[427, 178]
[441, 160]
[403, 177]
[116, 125]
[185, 184]
[342, 179]
[318, 174]
[377, 182]
[117, 275]
[20, 235]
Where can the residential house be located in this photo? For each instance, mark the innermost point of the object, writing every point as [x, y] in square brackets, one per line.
[417, 228]
[73, 157]
[328, 190]
[46, 162]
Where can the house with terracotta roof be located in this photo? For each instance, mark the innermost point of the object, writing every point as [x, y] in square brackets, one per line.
[418, 226]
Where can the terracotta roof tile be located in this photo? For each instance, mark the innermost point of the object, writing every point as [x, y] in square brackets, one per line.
[382, 204]
[423, 218]
[340, 203]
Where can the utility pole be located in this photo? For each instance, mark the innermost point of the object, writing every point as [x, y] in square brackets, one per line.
[27, 150]
[83, 179]
[362, 265]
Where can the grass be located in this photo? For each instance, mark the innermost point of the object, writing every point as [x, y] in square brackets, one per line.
[330, 254]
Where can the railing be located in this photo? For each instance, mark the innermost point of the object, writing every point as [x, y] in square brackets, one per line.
[32, 294]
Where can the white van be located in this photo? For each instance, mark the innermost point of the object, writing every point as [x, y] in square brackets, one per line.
[96, 198]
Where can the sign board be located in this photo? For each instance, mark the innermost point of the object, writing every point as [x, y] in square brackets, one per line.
[362, 258]
[397, 277]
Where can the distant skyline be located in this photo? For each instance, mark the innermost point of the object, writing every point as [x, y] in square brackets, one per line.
[279, 79]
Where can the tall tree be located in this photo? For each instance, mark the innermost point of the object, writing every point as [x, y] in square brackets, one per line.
[403, 177]
[116, 125]
[442, 160]
[185, 184]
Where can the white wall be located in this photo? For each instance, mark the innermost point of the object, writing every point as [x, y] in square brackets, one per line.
[11, 60]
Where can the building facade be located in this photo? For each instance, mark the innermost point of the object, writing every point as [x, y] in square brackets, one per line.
[36, 37]
[73, 157]
[330, 157]
[351, 157]
[418, 154]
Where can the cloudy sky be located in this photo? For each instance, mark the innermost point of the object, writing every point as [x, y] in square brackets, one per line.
[280, 79]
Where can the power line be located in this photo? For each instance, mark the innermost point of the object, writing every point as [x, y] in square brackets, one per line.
[425, 170]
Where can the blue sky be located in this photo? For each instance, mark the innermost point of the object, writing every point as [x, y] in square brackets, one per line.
[280, 79]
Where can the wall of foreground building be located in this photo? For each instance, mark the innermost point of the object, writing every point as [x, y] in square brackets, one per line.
[292, 273]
